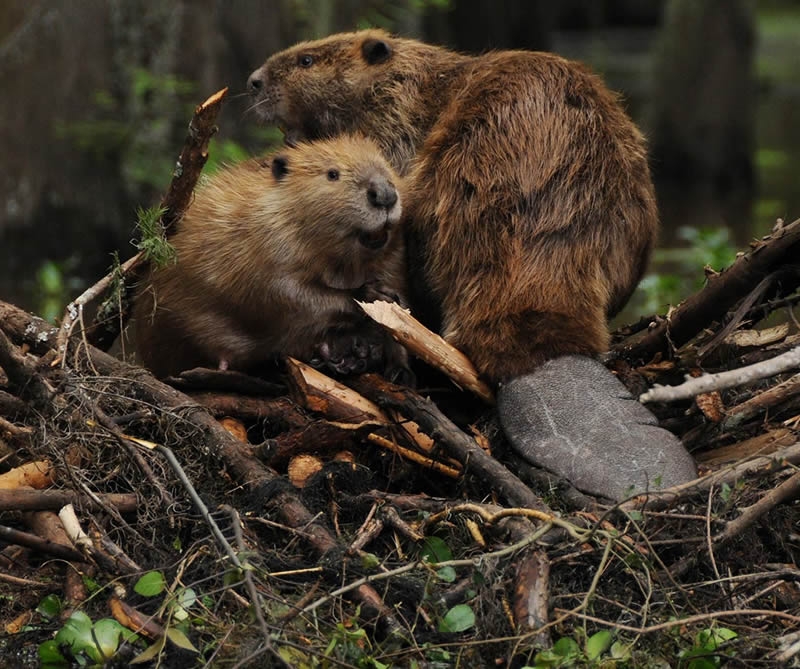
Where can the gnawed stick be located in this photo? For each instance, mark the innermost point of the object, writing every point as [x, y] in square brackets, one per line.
[111, 315]
[428, 346]
[722, 380]
[721, 292]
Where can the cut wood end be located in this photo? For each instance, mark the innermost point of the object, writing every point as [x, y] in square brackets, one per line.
[214, 99]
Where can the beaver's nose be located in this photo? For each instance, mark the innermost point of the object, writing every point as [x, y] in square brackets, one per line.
[381, 193]
[255, 82]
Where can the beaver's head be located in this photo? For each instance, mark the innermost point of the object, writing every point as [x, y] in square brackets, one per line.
[345, 204]
[322, 88]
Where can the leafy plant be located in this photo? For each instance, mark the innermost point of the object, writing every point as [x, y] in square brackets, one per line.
[707, 651]
[350, 643]
[708, 246]
[599, 649]
[87, 643]
[176, 604]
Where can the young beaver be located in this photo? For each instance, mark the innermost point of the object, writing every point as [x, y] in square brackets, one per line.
[530, 216]
[270, 254]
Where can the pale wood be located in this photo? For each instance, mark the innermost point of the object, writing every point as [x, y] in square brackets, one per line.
[736, 377]
[763, 444]
[37, 474]
[428, 346]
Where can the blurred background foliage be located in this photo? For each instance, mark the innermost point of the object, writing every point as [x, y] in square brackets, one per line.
[97, 95]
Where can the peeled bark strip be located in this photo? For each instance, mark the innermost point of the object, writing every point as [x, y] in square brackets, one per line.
[428, 346]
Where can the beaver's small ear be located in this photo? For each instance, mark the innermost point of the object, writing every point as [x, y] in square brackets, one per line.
[376, 51]
[280, 167]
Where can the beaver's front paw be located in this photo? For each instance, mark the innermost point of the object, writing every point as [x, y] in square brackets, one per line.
[349, 354]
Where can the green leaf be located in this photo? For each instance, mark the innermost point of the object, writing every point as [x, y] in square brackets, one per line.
[458, 619]
[620, 651]
[180, 639]
[546, 659]
[725, 634]
[109, 634]
[184, 599]
[90, 584]
[150, 584]
[77, 634]
[446, 574]
[598, 643]
[151, 652]
[50, 656]
[294, 657]
[435, 550]
[232, 577]
[704, 663]
[566, 647]
[369, 561]
[635, 515]
[50, 607]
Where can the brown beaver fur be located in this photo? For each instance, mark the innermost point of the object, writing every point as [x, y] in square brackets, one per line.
[530, 208]
[270, 254]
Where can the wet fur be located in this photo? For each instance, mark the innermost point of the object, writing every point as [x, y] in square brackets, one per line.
[269, 260]
[530, 211]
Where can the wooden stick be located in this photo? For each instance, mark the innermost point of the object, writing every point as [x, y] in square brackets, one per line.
[428, 346]
[663, 499]
[786, 491]
[40, 545]
[322, 394]
[736, 377]
[457, 444]
[40, 500]
[761, 402]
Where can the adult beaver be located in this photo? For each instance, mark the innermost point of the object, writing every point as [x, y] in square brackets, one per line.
[270, 254]
[530, 218]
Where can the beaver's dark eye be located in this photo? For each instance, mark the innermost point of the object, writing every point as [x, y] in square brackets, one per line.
[306, 60]
[333, 175]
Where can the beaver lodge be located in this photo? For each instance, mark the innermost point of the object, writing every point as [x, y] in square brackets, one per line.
[224, 520]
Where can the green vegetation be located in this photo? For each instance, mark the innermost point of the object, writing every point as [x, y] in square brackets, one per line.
[86, 643]
[681, 274]
[152, 244]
